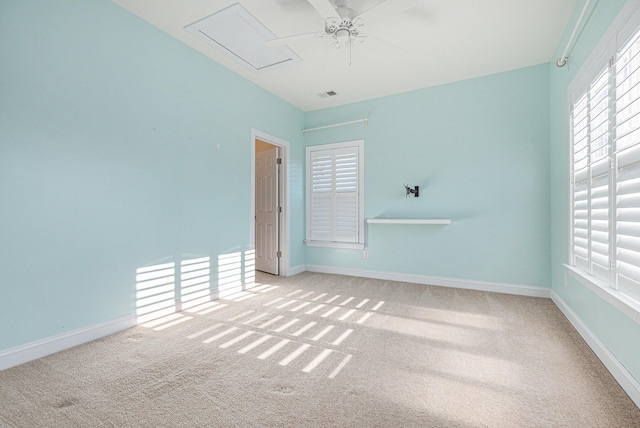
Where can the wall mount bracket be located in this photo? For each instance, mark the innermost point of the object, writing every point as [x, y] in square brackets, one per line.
[415, 191]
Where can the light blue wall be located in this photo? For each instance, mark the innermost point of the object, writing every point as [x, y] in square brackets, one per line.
[617, 332]
[479, 150]
[109, 161]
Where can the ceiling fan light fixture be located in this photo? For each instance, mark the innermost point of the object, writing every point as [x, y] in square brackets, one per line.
[342, 35]
[344, 25]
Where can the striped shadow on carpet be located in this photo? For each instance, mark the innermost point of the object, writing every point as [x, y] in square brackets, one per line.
[327, 350]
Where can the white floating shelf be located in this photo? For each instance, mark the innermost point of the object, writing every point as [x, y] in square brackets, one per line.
[409, 221]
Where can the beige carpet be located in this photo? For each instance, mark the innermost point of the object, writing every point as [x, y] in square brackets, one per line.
[320, 350]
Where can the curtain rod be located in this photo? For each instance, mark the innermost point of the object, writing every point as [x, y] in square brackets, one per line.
[364, 119]
[563, 59]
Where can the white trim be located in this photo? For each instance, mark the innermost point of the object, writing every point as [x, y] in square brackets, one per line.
[340, 145]
[620, 301]
[41, 348]
[330, 244]
[520, 290]
[617, 370]
[285, 227]
[296, 270]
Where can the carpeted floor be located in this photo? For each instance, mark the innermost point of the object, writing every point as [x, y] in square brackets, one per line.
[319, 350]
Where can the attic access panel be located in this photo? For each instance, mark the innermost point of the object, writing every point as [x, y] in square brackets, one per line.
[239, 35]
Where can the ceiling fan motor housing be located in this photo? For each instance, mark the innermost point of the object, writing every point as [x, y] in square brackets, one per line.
[343, 30]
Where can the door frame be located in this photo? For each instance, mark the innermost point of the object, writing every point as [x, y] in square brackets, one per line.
[284, 228]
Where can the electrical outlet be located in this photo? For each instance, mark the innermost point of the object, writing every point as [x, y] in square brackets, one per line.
[366, 254]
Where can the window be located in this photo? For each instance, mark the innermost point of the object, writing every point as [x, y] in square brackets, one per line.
[590, 116]
[605, 172]
[335, 195]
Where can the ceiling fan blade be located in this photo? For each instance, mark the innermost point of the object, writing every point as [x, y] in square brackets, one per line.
[386, 9]
[284, 40]
[324, 8]
[387, 43]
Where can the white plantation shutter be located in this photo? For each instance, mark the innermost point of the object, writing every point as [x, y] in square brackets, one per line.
[580, 120]
[346, 196]
[322, 195]
[605, 171]
[599, 130]
[334, 193]
[590, 136]
[627, 161]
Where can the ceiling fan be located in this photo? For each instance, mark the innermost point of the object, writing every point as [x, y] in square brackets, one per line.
[343, 25]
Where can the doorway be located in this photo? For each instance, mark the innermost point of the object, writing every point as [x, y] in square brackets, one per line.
[267, 200]
[269, 203]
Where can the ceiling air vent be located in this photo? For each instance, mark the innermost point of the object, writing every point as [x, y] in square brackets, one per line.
[327, 94]
[239, 35]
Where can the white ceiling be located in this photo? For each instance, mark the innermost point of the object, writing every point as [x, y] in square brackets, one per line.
[436, 42]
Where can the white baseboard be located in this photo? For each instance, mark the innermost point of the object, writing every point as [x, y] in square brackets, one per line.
[617, 370]
[521, 290]
[296, 270]
[41, 348]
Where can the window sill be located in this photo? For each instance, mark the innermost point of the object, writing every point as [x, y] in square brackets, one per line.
[342, 245]
[620, 301]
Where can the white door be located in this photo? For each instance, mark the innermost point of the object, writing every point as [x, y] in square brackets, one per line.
[267, 245]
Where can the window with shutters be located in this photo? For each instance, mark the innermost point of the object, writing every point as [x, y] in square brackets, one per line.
[605, 172]
[335, 196]
[591, 131]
